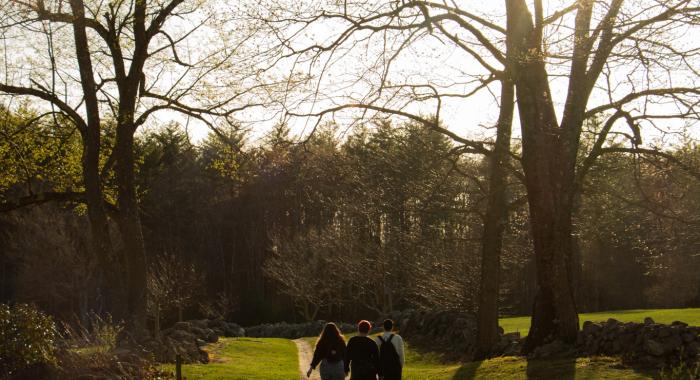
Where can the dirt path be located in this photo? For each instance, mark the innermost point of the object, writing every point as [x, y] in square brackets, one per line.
[306, 353]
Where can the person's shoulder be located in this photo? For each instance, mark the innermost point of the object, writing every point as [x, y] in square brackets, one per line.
[367, 338]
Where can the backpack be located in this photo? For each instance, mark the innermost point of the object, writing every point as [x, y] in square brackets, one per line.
[389, 360]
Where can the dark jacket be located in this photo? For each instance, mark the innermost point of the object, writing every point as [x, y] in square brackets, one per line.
[331, 351]
[362, 356]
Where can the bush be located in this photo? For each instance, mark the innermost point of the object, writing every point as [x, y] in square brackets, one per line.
[108, 365]
[27, 338]
[88, 349]
[96, 334]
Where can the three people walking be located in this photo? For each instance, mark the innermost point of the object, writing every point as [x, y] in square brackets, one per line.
[363, 357]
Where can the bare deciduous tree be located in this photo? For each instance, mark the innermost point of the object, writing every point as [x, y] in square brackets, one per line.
[626, 62]
[306, 269]
[172, 284]
[125, 61]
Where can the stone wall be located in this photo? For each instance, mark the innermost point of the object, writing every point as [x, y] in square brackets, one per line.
[187, 338]
[445, 331]
[454, 333]
[648, 343]
[450, 332]
[293, 330]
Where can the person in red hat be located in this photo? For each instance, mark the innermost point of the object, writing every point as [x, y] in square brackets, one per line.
[362, 354]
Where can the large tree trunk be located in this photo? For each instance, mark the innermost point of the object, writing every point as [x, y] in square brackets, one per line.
[494, 225]
[554, 314]
[549, 179]
[111, 282]
[130, 230]
[99, 226]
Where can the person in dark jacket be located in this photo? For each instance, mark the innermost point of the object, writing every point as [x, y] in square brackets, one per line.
[362, 355]
[330, 351]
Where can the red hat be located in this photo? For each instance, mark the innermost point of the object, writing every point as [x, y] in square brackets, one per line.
[364, 326]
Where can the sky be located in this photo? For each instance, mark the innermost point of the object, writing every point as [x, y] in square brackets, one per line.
[347, 74]
[350, 75]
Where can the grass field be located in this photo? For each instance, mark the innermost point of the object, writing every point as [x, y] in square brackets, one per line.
[429, 366]
[246, 359]
[257, 359]
[689, 316]
[419, 367]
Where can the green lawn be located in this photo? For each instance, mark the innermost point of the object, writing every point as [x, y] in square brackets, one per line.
[421, 367]
[246, 359]
[689, 316]
[257, 358]
[429, 366]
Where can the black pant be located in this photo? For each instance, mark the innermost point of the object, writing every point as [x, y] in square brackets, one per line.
[362, 371]
[362, 376]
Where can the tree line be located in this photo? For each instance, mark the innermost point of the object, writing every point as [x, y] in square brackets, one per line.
[338, 227]
[586, 81]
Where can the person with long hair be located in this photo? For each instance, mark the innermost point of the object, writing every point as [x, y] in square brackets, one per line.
[330, 351]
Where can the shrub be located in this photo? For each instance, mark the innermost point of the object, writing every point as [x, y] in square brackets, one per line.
[118, 364]
[27, 338]
[97, 333]
[89, 350]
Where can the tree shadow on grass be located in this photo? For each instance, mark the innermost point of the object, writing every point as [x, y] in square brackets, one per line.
[537, 369]
[467, 371]
[560, 369]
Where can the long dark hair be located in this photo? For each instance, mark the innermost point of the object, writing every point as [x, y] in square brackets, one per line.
[330, 336]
